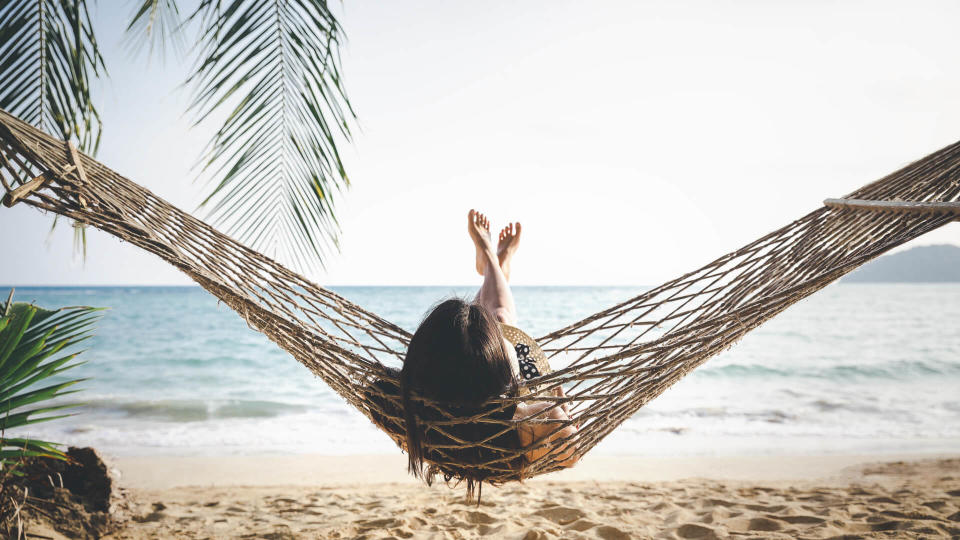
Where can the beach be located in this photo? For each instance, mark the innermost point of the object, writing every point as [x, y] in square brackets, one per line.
[839, 417]
[603, 497]
[738, 283]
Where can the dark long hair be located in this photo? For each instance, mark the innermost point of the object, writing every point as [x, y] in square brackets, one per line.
[457, 357]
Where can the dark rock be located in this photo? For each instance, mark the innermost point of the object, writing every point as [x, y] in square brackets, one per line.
[72, 496]
[88, 478]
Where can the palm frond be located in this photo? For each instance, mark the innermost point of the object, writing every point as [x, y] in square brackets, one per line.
[155, 24]
[273, 69]
[49, 57]
[31, 338]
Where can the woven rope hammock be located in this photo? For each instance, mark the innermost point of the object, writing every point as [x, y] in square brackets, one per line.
[609, 364]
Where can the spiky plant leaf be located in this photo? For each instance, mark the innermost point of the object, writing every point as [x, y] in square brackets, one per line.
[273, 69]
[155, 24]
[30, 340]
[48, 57]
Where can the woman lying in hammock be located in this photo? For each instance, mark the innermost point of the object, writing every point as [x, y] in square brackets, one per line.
[466, 353]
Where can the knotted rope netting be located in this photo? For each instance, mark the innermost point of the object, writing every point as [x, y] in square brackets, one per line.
[609, 364]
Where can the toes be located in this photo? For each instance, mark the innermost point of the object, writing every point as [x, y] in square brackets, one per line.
[516, 231]
[478, 218]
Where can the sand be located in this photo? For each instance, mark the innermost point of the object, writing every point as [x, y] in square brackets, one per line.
[604, 497]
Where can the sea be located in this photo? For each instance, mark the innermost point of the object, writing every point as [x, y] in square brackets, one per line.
[855, 368]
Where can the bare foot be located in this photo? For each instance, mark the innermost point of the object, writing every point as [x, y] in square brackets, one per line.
[507, 246]
[479, 228]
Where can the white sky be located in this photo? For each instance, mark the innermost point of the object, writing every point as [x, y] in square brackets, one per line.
[634, 140]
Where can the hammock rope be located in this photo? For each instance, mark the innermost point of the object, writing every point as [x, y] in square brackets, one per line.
[609, 364]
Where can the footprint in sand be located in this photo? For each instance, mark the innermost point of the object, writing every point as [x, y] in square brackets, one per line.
[611, 533]
[801, 520]
[935, 505]
[156, 515]
[692, 530]
[536, 534]
[819, 497]
[489, 530]
[382, 523]
[664, 507]
[909, 515]
[581, 525]
[892, 525]
[479, 518]
[561, 515]
[282, 532]
[678, 517]
[402, 532]
[763, 524]
[765, 508]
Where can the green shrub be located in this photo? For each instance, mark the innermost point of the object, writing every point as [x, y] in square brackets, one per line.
[35, 345]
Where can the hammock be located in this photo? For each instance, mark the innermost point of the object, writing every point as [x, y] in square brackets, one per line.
[610, 364]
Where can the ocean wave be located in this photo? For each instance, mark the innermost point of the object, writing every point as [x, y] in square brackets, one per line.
[898, 370]
[824, 405]
[189, 410]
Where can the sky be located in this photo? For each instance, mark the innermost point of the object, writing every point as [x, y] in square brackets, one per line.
[635, 141]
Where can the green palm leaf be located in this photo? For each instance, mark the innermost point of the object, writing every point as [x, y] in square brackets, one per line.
[48, 56]
[154, 24]
[31, 342]
[274, 69]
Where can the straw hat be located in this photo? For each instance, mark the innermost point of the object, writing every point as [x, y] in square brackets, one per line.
[533, 363]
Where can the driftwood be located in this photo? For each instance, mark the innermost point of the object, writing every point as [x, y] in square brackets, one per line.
[610, 364]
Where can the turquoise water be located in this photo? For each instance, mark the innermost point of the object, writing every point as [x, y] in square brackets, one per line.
[855, 368]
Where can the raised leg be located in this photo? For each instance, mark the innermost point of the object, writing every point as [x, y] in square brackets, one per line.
[507, 246]
[494, 294]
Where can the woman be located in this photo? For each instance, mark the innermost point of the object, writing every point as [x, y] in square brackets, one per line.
[460, 356]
